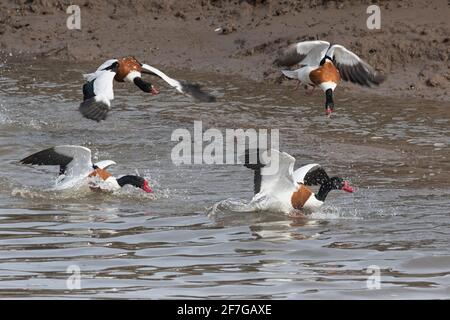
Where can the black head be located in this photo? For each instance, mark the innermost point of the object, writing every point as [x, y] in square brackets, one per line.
[334, 183]
[329, 103]
[145, 86]
[338, 183]
[136, 181]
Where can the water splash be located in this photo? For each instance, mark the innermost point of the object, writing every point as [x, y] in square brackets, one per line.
[82, 191]
[230, 206]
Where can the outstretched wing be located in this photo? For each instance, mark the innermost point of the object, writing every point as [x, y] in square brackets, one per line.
[98, 94]
[353, 68]
[48, 157]
[276, 176]
[193, 90]
[300, 174]
[306, 52]
[104, 164]
[107, 65]
[72, 160]
[272, 176]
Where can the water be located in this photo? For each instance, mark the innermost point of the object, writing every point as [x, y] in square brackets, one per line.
[184, 241]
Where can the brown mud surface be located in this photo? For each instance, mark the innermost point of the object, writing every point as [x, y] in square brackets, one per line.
[412, 47]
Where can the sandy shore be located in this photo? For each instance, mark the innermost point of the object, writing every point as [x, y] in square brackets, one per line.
[412, 47]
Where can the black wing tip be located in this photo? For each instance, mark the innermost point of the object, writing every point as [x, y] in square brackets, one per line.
[94, 110]
[47, 157]
[251, 165]
[277, 63]
[25, 161]
[255, 166]
[36, 158]
[360, 74]
[195, 90]
[379, 78]
[375, 80]
[285, 62]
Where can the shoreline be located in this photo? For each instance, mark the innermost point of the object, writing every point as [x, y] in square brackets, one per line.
[412, 48]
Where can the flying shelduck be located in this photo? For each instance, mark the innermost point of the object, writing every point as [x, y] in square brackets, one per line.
[98, 90]
[323, 65]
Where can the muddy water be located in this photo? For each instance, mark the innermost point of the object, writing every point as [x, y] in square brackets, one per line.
[183, 241]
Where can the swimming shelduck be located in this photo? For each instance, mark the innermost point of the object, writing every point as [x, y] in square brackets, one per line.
[76, 168]
[324, 65]
[98, 90]
[278, 187]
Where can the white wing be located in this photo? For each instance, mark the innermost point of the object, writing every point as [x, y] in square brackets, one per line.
[172, 82]
[72, 160]
[81, 164]
[277, 184]
[103, 84]
[315, 54]
[305, 53]
[106, 64]
[276, 176]
[353, 68]
[193, 90]
[301, 172]
[291, 74]
[104, 164]
[103, 66]
[98, 94]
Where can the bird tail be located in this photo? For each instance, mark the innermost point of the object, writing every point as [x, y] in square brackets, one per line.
[94, 109]
[290, 74]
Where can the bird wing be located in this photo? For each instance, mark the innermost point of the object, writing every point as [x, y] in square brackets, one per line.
[98, 94]
[276, 176]
[311, 175]
[353, 68]
[251, 160]
[193, 90]
[306, 53]
[104, 164]
[72, 160]
[104, 66]
[277, 185]
[103, 84]
[291, 74]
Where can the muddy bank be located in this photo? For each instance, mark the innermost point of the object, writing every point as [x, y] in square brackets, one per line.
[412, 47]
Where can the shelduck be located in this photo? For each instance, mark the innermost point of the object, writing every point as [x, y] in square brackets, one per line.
[76, 168]
[323, 65]
[98, 90]
[286, 190]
